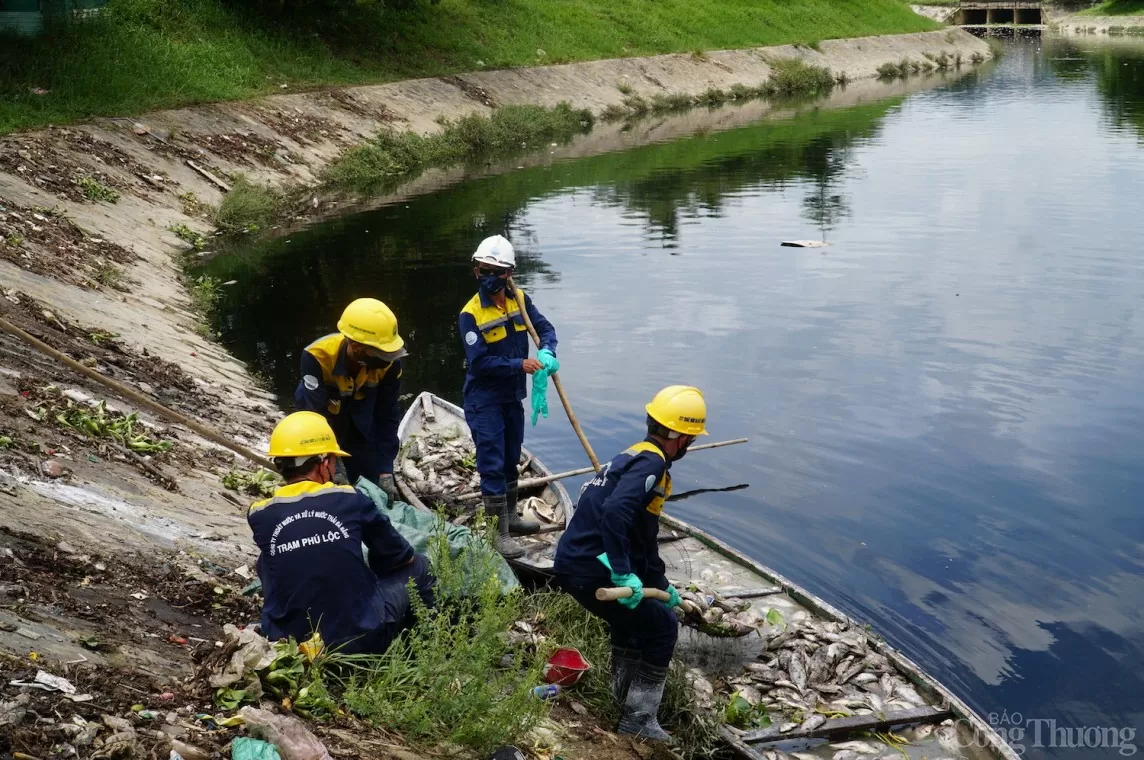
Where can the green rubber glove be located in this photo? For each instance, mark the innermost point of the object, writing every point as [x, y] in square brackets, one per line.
[548, 359]
[675, 599]
[539, 394]
[629, 580]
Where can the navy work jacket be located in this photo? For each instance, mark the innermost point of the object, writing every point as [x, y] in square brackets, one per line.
[618, 513]
[496, 345]
[362, 409]
[314, 576]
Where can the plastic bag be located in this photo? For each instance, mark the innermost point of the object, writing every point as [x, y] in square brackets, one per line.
[293, 740]
[253, 749]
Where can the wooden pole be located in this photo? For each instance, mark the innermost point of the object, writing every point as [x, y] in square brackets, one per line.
[135, 396]
[555, 380]
[532, 482]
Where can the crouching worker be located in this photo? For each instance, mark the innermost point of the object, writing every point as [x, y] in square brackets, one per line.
[611, 541]
[310, 534]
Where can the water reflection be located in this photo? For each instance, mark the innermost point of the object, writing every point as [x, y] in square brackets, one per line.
[944, 405]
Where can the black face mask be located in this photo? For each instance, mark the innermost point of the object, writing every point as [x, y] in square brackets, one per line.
[681, 453]
[374, 362]
[493, 283]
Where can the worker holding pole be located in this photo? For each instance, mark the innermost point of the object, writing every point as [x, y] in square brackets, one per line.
[494, 332]
[612, 541]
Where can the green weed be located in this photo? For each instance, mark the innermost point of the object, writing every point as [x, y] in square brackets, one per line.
[139, 55]
[246, 207]
[100, 338]
[508, 130]
[253, 482]
[111, 276]
[14, 241]
[624, 88]
[1116, 8]
[791, 76]
[448, 680]
[94, 190]
[564, 621]
[98, 422]
[206, 292]
[197, 240]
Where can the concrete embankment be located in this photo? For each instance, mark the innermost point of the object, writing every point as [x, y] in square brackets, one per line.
[121, 271]
[1113, 26]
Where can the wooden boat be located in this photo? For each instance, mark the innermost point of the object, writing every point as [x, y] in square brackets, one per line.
[432, 415]
[692, 554]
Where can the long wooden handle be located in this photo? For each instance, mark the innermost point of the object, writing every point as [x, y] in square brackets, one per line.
[556, 381]
[623, 592]
[533, 482]
[135, 396]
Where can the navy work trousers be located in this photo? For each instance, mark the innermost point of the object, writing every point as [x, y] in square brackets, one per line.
[651, 627]
[398, 610]
[498, 432]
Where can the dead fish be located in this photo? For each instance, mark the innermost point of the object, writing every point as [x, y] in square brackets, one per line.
[713, 615]
[786, 728]
[908, 694]
[947, 737]
[813, 722]
[876, 702]
[862, 678]
[411, 473]
[887, 686]
[798, 671]
[844, 754]
[862, 748]
[921, 733]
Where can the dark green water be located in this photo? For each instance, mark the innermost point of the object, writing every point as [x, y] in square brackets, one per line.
[945, 406]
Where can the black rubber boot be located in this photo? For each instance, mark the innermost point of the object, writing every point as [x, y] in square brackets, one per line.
[498, 507]
[641, 706]
[625, 662]
[516, 523]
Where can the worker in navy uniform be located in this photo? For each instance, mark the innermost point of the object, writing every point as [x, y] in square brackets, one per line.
[495, 339]
[611, 541]
[353, 379]
[314, 574]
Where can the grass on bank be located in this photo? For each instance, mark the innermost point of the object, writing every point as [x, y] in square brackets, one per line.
[508, 130]
[138, 55]
[1116, 8]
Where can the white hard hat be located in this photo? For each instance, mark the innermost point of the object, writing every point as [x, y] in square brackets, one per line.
[497, 251]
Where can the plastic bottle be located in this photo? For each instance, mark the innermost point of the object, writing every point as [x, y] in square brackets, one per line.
[546, 691]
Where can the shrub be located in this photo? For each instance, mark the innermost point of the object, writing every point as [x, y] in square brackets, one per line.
[246, 206]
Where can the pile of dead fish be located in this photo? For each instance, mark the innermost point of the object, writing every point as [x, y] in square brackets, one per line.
[440, 464]
[822, 668]
[716, 615]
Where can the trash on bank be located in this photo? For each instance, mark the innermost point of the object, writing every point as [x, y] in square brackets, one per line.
[293, 740]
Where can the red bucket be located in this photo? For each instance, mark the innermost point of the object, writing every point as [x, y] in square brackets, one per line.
[565, 667]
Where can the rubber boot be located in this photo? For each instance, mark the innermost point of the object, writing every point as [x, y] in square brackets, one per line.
[516, 523]
[625, 663]
[498, 505]
[641, 706]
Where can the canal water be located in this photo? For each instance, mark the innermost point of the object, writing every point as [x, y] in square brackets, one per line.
[945, 406]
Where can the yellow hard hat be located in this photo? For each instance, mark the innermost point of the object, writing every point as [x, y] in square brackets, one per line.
[303, 435]
[372, 323]
[680, 408]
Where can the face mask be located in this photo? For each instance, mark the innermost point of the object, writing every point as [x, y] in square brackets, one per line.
[374, 362]
[492, 283]
[682, 452]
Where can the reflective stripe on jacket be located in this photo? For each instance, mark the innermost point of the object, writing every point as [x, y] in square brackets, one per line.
[313, 572]
[496, 343]
[363, 410]
[618, 513]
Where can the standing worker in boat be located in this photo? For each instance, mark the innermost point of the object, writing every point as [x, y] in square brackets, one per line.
[611, 541]
[495, 338]
[310, 535]
[353, 379]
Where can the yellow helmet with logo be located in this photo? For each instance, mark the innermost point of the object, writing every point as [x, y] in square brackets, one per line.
[372, 323]
[680, 408]
[302, 435]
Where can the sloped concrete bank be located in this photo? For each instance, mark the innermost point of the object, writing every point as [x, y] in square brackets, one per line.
[122, 274]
